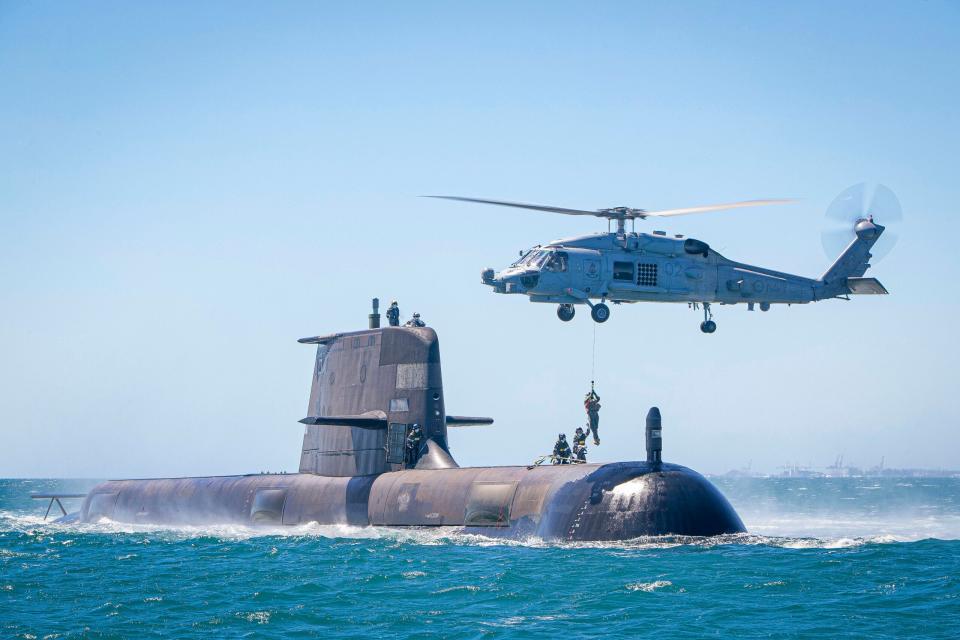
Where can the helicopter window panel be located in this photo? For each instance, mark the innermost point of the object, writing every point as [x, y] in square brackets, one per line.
[647, 274]
[535, 259]
[558, 262]
[623, 271]
[523, 256]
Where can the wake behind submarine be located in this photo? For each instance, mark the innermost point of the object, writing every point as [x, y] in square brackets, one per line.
[369, 388]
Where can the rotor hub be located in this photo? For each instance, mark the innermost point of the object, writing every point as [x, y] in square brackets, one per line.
[622, 213]
[866, 228]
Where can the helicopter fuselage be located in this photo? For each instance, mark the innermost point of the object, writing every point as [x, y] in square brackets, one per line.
[641, 267]
[652, 267]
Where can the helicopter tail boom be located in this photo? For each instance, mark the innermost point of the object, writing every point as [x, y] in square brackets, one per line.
[852, 264]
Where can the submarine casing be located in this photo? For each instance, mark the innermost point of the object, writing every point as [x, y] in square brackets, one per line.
[368, 388]
[613, 501]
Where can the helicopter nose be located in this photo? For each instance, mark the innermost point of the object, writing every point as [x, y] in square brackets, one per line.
[499, 282]
[511, 282]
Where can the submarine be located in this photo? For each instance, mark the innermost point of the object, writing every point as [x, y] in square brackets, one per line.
[369, 388]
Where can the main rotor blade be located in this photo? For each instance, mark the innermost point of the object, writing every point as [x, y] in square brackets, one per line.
[521, 205]
[716, 207]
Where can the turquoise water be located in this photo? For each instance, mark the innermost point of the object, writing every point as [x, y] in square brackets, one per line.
[853, 558]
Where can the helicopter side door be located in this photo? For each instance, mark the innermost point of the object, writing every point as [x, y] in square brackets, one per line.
[556, 273]
[592, 275]
[591, 268]
[584, 270]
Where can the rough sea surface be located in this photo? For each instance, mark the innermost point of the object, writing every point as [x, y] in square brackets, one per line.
[825, 558]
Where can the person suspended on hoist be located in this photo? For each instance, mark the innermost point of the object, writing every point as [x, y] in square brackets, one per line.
[591, 404]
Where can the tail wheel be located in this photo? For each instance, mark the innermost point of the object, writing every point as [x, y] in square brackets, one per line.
[566, 312]
[600, 312]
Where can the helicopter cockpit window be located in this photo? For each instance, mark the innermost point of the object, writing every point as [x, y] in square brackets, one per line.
[523, 257]
[534, 259]
[557, 262]
[623, 271]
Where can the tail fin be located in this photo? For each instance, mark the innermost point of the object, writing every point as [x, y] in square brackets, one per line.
[855, 259]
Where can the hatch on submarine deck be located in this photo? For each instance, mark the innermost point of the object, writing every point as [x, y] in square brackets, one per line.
[368, 388]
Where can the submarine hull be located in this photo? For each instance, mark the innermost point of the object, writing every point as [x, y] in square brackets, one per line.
[564, 502]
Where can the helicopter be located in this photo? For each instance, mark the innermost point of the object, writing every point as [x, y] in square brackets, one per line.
[628, 267]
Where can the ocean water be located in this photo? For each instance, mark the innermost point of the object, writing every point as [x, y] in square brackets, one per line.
[825, 558]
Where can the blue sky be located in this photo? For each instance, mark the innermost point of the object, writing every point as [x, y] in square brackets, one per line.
[185, 190]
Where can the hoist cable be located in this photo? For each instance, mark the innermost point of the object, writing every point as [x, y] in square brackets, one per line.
[593, 363]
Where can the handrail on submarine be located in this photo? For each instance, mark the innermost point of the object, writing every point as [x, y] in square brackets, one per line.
[539, 461]
[55, 498]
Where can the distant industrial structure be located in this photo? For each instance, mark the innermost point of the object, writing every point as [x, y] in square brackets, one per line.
[840, 470]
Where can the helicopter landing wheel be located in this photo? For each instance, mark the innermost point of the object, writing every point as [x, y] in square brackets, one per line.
[708, 325]
[600, 312]
[566, 312]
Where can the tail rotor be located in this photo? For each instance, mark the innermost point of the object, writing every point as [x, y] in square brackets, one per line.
[850, 209]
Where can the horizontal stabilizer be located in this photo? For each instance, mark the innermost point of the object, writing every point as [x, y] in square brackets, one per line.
[866, 286]
[369, 420]
[378, 420]
[319, 339]
[467, 421]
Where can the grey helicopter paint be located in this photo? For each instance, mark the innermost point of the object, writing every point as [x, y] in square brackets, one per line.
[368, 388]
[629, 267]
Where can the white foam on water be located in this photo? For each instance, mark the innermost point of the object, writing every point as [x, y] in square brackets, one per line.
[514, 621]
[910, 528]
[788, 532]
[649, 586]
[409, 575]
